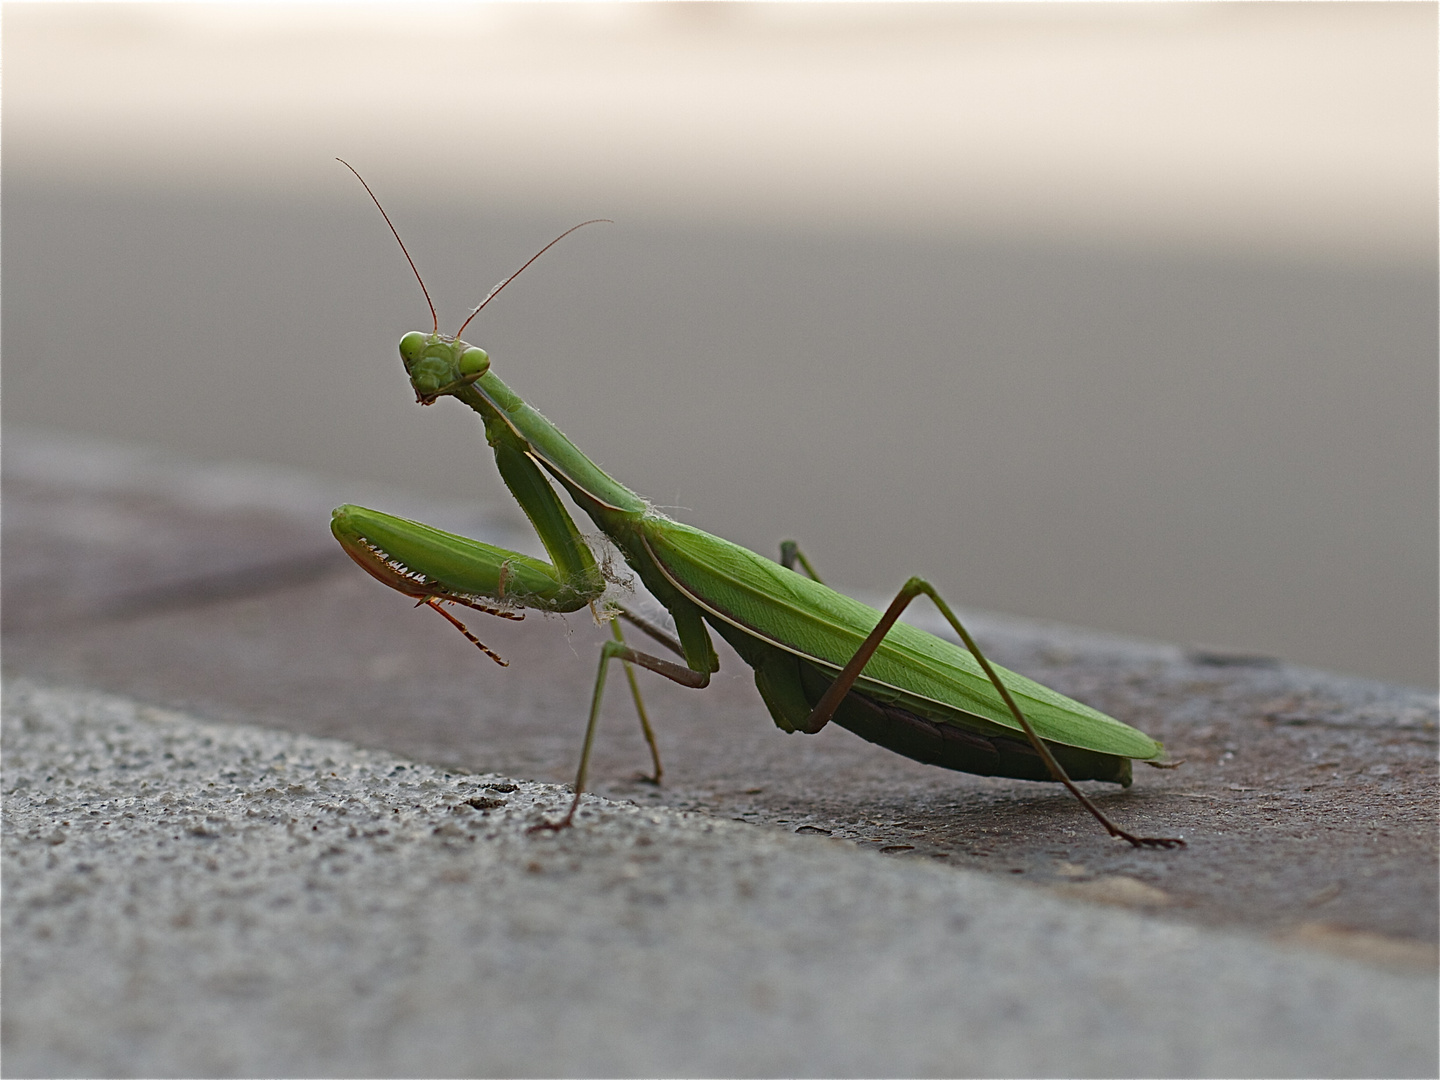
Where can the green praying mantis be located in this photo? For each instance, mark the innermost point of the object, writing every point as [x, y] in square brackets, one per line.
[818, 655]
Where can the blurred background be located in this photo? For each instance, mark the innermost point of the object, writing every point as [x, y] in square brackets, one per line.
[1119, 315]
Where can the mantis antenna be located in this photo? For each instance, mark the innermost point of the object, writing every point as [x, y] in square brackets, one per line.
[434, 318]
[496, 290]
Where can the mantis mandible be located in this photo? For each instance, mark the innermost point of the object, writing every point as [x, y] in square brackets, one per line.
[818, 656]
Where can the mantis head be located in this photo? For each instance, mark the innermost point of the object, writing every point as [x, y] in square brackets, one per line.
[438, 365]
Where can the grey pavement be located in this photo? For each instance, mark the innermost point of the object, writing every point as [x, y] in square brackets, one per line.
[261, 818]
[186, 898]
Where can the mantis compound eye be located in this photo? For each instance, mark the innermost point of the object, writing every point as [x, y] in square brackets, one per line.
[474, 361]
[412, 347]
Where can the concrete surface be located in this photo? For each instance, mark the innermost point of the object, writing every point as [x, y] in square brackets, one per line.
[1308, 800]
[266, 910]
[186, 898]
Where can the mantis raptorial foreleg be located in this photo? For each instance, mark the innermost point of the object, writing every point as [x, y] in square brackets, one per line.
[389, 549]
[434, 604]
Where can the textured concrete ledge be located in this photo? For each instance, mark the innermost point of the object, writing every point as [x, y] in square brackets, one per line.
[280, 834]
[186, 898]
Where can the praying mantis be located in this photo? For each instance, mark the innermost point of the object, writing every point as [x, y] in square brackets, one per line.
[817, 655]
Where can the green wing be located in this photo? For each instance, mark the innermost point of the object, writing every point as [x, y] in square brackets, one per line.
[803, 617]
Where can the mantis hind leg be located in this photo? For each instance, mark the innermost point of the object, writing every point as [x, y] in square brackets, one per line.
[618, 650]
[825, 708]
[791, 556]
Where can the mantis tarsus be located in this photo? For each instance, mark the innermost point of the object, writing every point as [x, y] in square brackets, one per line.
[817, 655]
